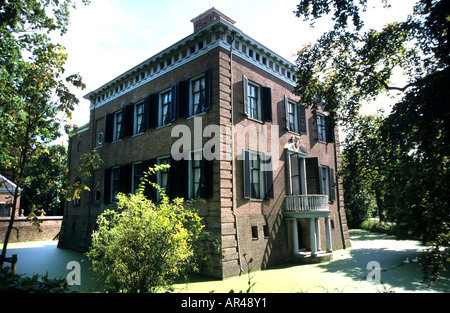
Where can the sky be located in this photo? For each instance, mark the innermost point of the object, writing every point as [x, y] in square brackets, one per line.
[109, 37]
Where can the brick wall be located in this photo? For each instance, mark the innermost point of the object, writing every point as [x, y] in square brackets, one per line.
[23, 230]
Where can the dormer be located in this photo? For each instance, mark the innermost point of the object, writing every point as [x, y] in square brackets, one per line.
[209, 16]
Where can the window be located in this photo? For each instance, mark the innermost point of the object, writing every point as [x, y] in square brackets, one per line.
[139, 118]
[163, 175]
[296, 179]
[194, 95]
[295, 116]
[198, 95]
[321, 128]
[324, 185]
[255, 232]
[196, 176]
[164, 110]
[255, 176]
[137, 174]
[257, 101]
[254, 105]
[115, 184]
[258, 175]
[266, 231]
[118, 126]
[196, 181]
[100, 138]
[327, 182]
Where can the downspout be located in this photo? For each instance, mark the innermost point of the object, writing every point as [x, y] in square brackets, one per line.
[338, 196]
[233, 179]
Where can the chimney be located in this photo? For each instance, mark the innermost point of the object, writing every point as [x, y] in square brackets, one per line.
[209, 16]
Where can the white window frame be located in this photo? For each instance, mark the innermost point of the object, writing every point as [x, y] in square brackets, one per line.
[292, 105]
[116, 134]
[259, 157]
[134, 187]
[258, 101]
[169, 104]
[191, 93]
[324, 180]
[195, 156]
[137, 126]
[160, 174]
[113, 196]
[321, 128]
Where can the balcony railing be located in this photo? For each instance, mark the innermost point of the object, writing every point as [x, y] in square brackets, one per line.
[306, 203]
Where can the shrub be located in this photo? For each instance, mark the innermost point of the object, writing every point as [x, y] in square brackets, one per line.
[11, 282]
[143, 246]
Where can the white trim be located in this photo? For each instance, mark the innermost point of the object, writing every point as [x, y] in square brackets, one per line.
[159, 177]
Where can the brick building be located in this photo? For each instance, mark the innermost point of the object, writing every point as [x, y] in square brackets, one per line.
[7, 189]
[218, 107]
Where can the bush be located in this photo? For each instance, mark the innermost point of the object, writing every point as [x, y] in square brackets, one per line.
[143, 246]
[11, 282]
[379, 227]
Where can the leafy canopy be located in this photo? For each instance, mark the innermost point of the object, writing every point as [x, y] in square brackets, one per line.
[351, 64]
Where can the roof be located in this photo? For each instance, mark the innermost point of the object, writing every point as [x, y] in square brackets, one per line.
[211, 12]
[6, 185]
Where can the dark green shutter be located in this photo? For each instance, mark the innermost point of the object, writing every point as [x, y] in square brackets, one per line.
[266, 94]
[153, 110]
[178, 179]
[125, 179]
[208, 95]
[107, 186]
[246, 174]
[146, 119]
[302, 119]
[329, 131]
[128, 120]
[109, 127]
[173, 104]
[332, 181]
[206, 183]
[149, 190]
[312, 176]
[183, 99]
[268, 178]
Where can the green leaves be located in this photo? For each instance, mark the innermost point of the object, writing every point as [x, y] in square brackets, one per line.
[143, 246]
[401, 161]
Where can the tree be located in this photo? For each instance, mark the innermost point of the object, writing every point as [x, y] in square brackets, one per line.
[143, 246]
[363, 169]
[349, 65]
[45, 182]
[35, 96]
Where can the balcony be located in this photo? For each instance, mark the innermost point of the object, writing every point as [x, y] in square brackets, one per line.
[306, 205]
[312, 207]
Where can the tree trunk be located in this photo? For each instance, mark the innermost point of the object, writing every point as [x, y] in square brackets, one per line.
[380, 205]
[10, 225]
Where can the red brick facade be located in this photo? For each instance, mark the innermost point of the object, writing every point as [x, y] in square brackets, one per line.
[225, 58]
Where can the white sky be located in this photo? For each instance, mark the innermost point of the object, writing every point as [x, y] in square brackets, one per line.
[108, 37]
